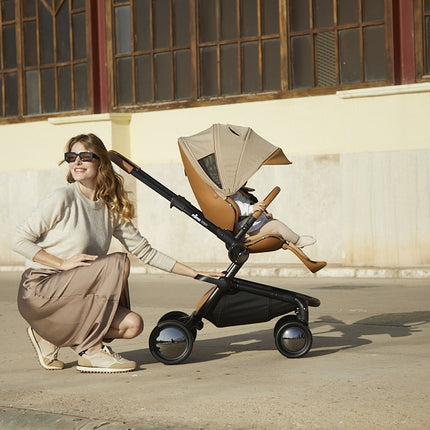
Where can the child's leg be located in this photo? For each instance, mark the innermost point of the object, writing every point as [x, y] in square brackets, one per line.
[276, 226]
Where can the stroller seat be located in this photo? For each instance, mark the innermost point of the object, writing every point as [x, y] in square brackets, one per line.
[224, 213]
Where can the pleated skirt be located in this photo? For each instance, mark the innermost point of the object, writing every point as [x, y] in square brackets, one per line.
[74, 308]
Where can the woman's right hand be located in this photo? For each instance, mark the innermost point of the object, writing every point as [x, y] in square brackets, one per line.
[77, 261]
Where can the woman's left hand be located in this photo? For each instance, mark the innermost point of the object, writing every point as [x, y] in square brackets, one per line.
[182, 269]
[212, 274]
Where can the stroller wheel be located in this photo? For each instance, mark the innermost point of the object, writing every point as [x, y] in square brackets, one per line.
[174, 315]
[282, 321]
[178, 316]
[292, 337]
[171, 342]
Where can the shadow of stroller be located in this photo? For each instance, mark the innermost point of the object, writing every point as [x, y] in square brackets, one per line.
[345, 336]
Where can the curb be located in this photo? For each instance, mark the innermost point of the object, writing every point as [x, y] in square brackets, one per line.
[24, 419]
[299, 271]
[292, 271]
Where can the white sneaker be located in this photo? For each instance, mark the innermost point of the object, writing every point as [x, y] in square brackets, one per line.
[305, 241]
[104, 361]
[46, 351]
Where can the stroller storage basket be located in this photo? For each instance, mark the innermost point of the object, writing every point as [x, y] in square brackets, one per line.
[241, 307]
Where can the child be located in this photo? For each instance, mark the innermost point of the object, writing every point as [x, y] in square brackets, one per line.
[248, 204]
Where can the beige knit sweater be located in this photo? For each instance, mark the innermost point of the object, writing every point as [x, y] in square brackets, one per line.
[67, 223]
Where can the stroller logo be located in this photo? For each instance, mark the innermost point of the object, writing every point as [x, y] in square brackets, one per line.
[196, 217]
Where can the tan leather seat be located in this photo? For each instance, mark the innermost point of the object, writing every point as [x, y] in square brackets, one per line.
[225, 213]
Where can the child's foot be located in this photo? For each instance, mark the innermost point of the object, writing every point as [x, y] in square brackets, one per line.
[305, 241]
[46, 351]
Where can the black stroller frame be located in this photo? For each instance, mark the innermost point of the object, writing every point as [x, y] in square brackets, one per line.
[171, 341]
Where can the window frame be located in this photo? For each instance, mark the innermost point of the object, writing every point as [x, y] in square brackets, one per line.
[285, 74]
[100, 77]
[420, 37]
[21, 68]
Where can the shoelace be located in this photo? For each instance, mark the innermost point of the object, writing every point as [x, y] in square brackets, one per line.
[55, 355]
[108, 349]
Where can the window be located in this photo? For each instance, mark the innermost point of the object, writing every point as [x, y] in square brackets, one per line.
[238, 47]
[187, 50]
[337, 42]
[151, 51]
[173, 53]
[197, 50]
[9, 61]
[44, 57]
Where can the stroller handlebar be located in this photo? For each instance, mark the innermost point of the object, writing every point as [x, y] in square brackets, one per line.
[267, 201]
[122, 161]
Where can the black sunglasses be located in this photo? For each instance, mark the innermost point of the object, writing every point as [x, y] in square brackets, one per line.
[70, 157]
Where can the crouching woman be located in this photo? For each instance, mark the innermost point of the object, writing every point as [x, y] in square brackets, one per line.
[72, 293]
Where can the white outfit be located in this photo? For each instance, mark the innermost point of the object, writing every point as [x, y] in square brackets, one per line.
[263, 224]
[246, 208]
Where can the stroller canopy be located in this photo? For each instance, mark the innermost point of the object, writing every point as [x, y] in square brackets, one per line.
[225, 156]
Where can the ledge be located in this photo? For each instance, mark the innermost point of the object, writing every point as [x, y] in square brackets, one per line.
[113, 117]
[290, 271]
[384, 91]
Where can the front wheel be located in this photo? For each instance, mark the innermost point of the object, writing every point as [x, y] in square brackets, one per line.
[178, 316]
[171, 342]
[292, 338]
[173, 315]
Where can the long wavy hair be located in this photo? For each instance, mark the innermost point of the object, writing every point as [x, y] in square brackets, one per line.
[110, 185]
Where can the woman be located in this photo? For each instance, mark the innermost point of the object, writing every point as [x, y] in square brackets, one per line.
[72, 293]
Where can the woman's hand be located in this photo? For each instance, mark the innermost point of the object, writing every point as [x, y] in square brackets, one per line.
[77, 261]
[50, 260]
[212, 274]
[182, 269]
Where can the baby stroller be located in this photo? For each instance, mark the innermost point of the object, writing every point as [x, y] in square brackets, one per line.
[217, 162]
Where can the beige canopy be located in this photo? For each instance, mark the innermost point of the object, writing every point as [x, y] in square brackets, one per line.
[225, 156]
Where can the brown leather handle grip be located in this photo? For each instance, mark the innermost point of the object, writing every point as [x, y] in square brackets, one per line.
[122, 161]
[267, 200]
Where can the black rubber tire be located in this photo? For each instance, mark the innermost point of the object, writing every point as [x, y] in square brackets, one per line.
[170, 342]
[293, 339]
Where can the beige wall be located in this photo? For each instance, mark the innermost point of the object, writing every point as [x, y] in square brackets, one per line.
[359, 181]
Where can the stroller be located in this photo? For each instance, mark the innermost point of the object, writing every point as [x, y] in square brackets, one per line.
[217, 162]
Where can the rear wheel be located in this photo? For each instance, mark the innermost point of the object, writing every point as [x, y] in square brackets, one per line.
[171, 342]
[293, 338]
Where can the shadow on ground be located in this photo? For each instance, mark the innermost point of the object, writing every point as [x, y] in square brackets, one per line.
[334, 337]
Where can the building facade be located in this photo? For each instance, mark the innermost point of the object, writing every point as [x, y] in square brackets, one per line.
[342, 86]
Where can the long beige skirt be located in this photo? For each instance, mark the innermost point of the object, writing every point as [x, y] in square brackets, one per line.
[74, 308]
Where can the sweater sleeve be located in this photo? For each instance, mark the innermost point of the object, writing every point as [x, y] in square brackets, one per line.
[42, 219]
[139, 246]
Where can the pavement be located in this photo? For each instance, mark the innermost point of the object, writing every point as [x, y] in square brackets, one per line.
[369, 366]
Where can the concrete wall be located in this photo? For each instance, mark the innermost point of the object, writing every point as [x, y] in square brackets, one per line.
[359, 182]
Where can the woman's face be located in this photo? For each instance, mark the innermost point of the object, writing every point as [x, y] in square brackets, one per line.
[84, 172]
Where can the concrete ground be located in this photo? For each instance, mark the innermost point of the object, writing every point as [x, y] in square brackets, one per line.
[369, 366]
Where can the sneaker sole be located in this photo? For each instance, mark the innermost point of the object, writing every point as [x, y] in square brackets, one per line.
[85, 369]
[38, 351]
